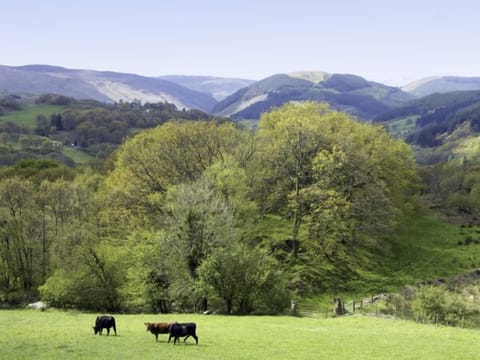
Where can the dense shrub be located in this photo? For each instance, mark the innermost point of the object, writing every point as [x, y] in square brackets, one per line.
[437, 304]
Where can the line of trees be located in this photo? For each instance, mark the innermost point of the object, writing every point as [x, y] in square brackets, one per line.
[202, 215]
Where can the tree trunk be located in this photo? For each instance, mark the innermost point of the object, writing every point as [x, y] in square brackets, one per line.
[228, 305]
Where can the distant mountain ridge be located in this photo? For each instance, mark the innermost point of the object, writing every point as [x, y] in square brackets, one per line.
[344, 92]
[218, 87]
[105, 86]
[228, 97]
[442, 84]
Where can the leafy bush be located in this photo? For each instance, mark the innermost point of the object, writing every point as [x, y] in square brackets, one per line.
[439, 305]
[246, 280]
[58, 290]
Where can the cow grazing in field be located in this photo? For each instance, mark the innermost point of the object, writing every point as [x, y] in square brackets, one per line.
[158, 328]
[177, 331]
[104, 322]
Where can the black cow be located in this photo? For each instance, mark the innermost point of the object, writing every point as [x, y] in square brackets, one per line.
[104, 322]
[182, 330]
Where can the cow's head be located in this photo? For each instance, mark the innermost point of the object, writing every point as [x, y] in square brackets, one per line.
[148, 326]
[96, 329]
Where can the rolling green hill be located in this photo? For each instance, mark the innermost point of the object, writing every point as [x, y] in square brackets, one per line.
[427, 248]
[349, 93]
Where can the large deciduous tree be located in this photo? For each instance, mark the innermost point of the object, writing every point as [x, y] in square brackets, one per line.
[20, 238]
[170, 154]
[342, 181]
[287, 140]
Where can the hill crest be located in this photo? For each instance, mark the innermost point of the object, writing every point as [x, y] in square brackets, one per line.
[345, 92]
[442, 84]
[104, 86]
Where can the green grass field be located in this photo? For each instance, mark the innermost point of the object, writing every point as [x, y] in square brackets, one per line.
[30, 334]
[78, 156]
[28, 116]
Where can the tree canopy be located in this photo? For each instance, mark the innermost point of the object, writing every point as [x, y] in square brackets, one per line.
[199, 214]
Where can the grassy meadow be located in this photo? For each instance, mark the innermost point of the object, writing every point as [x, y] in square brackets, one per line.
[428, 248]
[77, 155]
[28, 116]
[30, 334]
[28, 119]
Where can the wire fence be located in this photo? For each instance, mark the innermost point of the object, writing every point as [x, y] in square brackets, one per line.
[311, 310]
[364, 306]
[379, 306]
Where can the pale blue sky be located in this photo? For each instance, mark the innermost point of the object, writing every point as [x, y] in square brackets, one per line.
[388, 41]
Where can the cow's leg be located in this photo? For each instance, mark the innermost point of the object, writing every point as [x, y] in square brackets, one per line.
[175, 340]
[156, 337]
[196, 339]
[186, 338]
[169, 338]
[108, 331]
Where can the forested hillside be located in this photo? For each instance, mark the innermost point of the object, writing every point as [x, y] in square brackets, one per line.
[76, 131]
[203, 214]
[444, 130]
[431, 120]
[144, 207]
